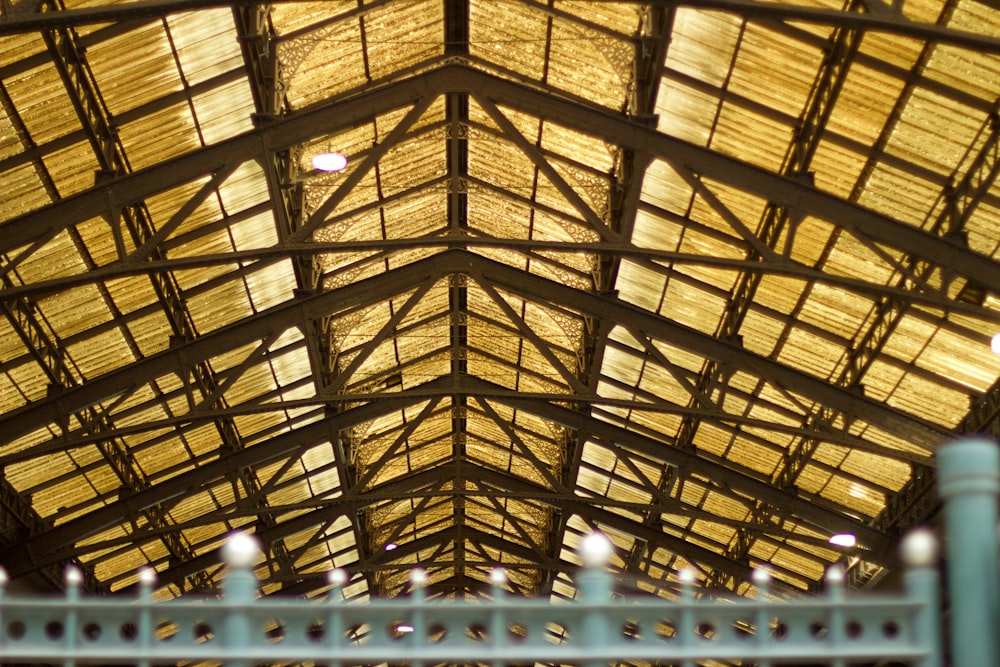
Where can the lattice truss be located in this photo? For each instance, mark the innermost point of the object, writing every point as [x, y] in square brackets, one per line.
[714, 280]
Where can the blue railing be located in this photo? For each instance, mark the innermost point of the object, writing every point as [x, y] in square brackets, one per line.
[837, 627]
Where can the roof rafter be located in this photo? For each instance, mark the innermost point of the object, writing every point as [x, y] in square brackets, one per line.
[296, 128]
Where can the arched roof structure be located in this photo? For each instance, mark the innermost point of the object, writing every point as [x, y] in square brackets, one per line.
[715, 277]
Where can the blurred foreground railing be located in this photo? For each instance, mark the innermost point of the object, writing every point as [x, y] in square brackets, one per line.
[837, 627]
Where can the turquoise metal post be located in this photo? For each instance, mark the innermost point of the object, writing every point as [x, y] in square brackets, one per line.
[968, 482]
[594, 584]
[838, 623]
[334, 633]
[920, 551]
[74, 579]
[762, 580]
[239, 590]
[3, 591]
[144, 627]
[685, 629]
[418, 638]
[498, 620]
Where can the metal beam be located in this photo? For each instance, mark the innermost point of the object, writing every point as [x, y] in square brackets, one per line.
[753, 488]
[599, 122]
[655, 537]
[542, 290]
[40, 548]
[887, 22]
[55, 409]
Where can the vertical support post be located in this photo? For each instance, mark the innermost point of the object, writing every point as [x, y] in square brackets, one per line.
[239, 589]
[71, 619]
[685, 624]
[921, 582]
[594, 584]
[498, 619]
[334, 634]
[762, 580]
[144, 626]
[838, 623]
[418, 638]
[3, 590]
[968, 483]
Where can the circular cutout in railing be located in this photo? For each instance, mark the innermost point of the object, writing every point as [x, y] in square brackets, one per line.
[203, 632]
[436, 633]
[779, 629]
[54, 630]
[16, 630]
[854, 630]
[890, 630]
[742, 629]
[91, 631]
[315, 632]
[630, 629]
[166, 630]
[275, 632]
[517, 633]
[357, 632]
[705, 630]
[665, 629]
[128, 631]
[398, 629]
[476, 632]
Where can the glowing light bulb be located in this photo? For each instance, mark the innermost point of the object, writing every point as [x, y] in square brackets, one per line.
[329, 162]
[844, 540]
[995, 343]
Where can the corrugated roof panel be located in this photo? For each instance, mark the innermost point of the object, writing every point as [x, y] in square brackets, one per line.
[206, 43]
[23, 191]
[510, 34]
[224, 112]
[702, 43]
[161, 135]
[402, 35]
[135, 68]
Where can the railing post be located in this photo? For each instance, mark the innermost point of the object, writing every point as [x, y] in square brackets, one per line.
[3, 592]
[418, 637]
[762, 580]
[968, 482]
[335, 630]
[838, 621]
[71, 618]
[685, 627]
[594, 584]
[239, 589]
[498, 620]
[145, 632]
[920, 578]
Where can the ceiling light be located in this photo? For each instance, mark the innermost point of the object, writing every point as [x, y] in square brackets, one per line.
[995, 343]
[329, 162]
[844, 540]
[390, 546]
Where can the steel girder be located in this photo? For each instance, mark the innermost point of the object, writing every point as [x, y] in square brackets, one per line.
[543, 290]
[35, 228]
[884, 19]
[405, 485]
[42, 547]
[392, 283]
[599, 122]
[56, 409]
